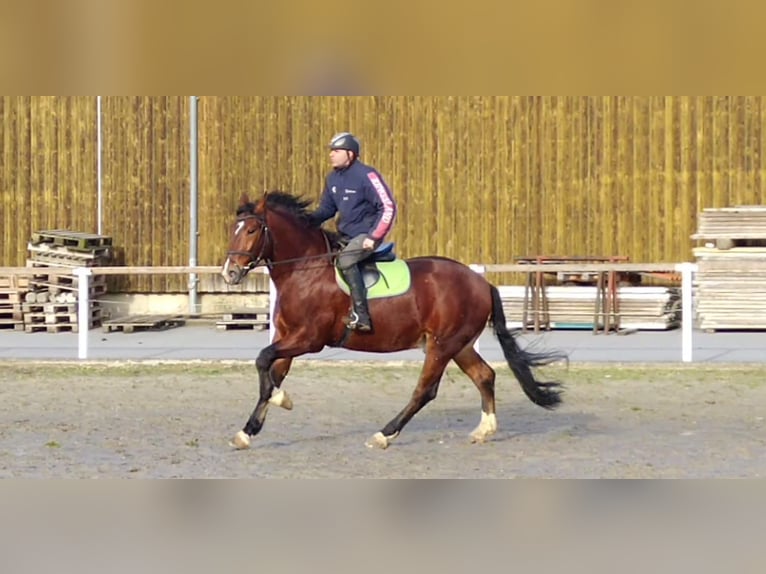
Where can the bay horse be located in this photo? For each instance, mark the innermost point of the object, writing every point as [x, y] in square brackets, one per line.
[445, 310]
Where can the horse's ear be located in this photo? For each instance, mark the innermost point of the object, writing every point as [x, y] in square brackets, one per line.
[260, 207]
[244, 199]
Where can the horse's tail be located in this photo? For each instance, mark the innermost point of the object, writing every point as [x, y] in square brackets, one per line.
[546, 395]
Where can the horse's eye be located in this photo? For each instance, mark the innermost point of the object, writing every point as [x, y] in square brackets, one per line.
[251, 231]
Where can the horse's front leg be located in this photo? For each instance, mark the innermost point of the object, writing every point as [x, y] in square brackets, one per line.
[274, 361]
[263, 363]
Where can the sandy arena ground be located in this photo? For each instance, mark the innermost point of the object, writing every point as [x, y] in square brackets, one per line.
[60, 420]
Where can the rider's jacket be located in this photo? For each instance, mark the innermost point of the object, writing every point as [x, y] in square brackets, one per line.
[360, 195]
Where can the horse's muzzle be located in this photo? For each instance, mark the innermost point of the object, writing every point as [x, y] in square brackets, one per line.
[233, 274]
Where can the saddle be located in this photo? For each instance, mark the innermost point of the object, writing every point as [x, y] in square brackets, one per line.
[370, 272]
[384, 275]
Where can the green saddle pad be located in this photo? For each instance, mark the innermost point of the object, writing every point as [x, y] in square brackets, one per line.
[382, 279]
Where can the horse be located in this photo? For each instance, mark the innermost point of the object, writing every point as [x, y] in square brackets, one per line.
[444, 310]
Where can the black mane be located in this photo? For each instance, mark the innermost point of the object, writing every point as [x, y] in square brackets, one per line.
[247, 209]
[296, 205]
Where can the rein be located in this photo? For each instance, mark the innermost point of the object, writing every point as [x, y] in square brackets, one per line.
[256, 262]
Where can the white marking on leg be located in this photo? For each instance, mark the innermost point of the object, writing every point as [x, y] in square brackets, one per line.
[280, 399]
[381, 441]
[487, 427]
[241, 441]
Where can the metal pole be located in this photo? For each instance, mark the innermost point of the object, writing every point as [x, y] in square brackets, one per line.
[100, 163]
[194, 206]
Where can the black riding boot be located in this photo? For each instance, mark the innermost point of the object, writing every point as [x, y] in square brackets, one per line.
[359, 317]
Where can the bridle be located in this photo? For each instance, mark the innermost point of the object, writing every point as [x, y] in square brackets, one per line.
[266, 242]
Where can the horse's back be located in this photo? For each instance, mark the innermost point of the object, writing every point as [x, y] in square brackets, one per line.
[451, 282]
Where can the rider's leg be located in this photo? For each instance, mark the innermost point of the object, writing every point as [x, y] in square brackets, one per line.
[348, 264]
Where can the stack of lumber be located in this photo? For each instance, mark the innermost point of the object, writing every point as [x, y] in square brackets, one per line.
[574, 307]
[12, 292]
[50, 304]
[255, 318]
[729, 286]
[134, 323]
[729, 227]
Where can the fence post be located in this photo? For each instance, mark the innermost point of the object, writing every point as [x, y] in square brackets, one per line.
[480, 269]
[272, 308]
[687, 310]
[83, 311]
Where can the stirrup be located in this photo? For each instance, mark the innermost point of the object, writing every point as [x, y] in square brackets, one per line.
[354, 323]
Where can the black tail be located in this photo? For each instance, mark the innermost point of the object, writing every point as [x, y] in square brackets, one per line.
[546, 395]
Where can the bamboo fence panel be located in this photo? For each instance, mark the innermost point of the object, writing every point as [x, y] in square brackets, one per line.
[483, 179]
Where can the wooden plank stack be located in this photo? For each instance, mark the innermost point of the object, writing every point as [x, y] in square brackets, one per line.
[729, 287]
[12, 292]
[728, 227]
[134, 323]
[50, 304]
[573, 307]
[256, 318]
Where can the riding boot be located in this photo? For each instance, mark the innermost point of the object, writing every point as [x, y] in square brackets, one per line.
[359, 317]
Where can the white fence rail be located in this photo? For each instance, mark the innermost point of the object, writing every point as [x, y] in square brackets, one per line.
[687, 271]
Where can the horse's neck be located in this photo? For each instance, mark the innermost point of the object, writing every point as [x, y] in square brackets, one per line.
[296, 247]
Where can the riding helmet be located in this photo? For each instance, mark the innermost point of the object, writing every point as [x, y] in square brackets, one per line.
[346, 141]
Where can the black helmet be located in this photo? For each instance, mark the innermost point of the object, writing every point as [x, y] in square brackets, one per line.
[346, 141]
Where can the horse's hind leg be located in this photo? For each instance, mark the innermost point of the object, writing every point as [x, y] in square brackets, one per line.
[436, 361]
[483, 376]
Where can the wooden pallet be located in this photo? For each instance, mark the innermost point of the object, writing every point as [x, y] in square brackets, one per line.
[61, 317]
[71, 281]
[10, 297]
[11, 325]
[46, 328]
[11, 313]
[74, 240]
[56, 288]
[133, 323]
[733, 227]
[13, 282]
[728, 289]
[246, 319]
[52, 259]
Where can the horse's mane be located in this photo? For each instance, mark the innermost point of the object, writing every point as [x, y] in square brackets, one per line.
[293, 204]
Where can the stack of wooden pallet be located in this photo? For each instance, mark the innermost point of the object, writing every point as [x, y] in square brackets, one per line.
[50, 304]
[255, 318]
[729, 287]
[12, 292]
[574, 307]
[730, 227]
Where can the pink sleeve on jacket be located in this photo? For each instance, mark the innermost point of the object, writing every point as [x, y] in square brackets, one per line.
[389, 207]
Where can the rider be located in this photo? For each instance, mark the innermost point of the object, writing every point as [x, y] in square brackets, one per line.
[367, 211]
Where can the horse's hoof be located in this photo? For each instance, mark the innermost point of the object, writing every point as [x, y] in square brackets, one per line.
[486, 429]
[381, 441]
[280, 399]
[378, 441]
[241, 441]
[478, 438]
